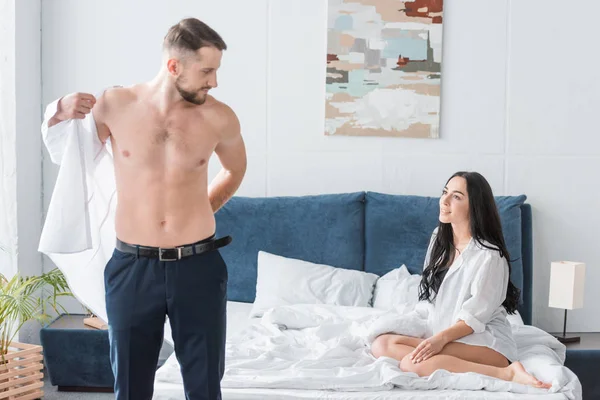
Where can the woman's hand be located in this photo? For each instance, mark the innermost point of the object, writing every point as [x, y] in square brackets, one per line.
[427, 348]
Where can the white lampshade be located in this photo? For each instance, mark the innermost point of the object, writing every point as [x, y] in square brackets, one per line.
[567, 280]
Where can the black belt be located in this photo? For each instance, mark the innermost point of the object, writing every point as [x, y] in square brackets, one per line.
[174, 253]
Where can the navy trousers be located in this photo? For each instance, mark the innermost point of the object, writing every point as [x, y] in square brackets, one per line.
[140, 292]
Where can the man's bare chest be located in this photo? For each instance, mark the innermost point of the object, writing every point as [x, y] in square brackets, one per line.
[179, 139]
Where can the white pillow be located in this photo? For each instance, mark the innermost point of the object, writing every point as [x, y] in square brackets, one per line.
[396, 287]
[286, 281]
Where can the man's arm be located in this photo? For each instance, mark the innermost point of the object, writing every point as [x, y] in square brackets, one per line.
[101, 111]
[54, 133]
[72, 106]
[77, 106]
[232, 155]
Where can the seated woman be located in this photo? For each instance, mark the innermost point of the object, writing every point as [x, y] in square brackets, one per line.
[467, 278]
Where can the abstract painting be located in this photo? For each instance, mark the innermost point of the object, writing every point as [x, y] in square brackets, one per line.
[383, 68]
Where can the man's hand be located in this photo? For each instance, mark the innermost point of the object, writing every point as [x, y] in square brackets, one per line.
[73, 106]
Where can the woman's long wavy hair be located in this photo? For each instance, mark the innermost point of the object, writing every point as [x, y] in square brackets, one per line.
[485, 227]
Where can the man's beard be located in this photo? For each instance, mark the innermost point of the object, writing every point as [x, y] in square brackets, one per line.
[192, 97]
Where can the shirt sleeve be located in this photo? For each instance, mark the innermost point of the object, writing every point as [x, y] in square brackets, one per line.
[55, 137]
[488, 291]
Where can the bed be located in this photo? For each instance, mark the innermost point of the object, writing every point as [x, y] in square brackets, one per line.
[238, 319]
[273, 321]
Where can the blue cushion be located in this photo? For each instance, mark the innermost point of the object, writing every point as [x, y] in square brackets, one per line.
[325, 229]
[398, 229]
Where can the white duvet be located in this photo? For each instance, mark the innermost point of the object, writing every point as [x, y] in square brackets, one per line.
[325, 347]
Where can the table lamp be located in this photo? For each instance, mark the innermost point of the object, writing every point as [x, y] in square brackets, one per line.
[567, 280]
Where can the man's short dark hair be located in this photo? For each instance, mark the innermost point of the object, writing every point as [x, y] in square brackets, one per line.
[190, 34]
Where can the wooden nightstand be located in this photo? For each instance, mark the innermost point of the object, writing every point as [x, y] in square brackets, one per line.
[583, 358]
[589, 341]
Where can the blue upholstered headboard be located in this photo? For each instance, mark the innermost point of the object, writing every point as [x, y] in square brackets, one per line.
[366, 231]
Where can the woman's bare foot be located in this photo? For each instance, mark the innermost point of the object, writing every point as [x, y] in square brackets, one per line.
[517, 373]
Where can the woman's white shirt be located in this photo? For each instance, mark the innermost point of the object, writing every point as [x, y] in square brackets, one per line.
[473, 291]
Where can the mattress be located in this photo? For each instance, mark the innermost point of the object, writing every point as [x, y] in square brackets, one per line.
[237, 319]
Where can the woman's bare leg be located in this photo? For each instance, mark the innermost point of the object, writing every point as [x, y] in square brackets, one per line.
[455, 357]
[394, 346]
[476, 354]
[500, 369]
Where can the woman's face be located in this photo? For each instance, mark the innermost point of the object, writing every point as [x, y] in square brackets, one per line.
[454, 202]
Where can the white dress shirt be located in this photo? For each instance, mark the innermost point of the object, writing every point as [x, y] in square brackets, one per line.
[473, 291]
[78, 233]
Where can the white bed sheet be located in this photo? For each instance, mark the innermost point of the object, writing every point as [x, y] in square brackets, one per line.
[238, 319]
[172, 391]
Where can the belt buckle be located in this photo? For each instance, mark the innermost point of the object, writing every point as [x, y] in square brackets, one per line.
[161, 252]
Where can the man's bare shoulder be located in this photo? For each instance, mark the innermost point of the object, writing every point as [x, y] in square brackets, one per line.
[223, 115]
[114, 100]
[118, 96]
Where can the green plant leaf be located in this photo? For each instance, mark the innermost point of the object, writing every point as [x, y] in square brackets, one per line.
[24, 299]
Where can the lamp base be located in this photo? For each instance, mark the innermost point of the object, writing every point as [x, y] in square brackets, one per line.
[567, 338]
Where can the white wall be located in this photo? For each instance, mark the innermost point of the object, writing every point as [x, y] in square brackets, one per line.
[553, 143]
[29, 142]
[28, 98]
[518, 101]
[20, 143]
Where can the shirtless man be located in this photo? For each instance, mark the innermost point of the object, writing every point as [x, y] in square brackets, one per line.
[166, 261]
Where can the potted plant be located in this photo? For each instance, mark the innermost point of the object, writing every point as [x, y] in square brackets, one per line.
[24, 299]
